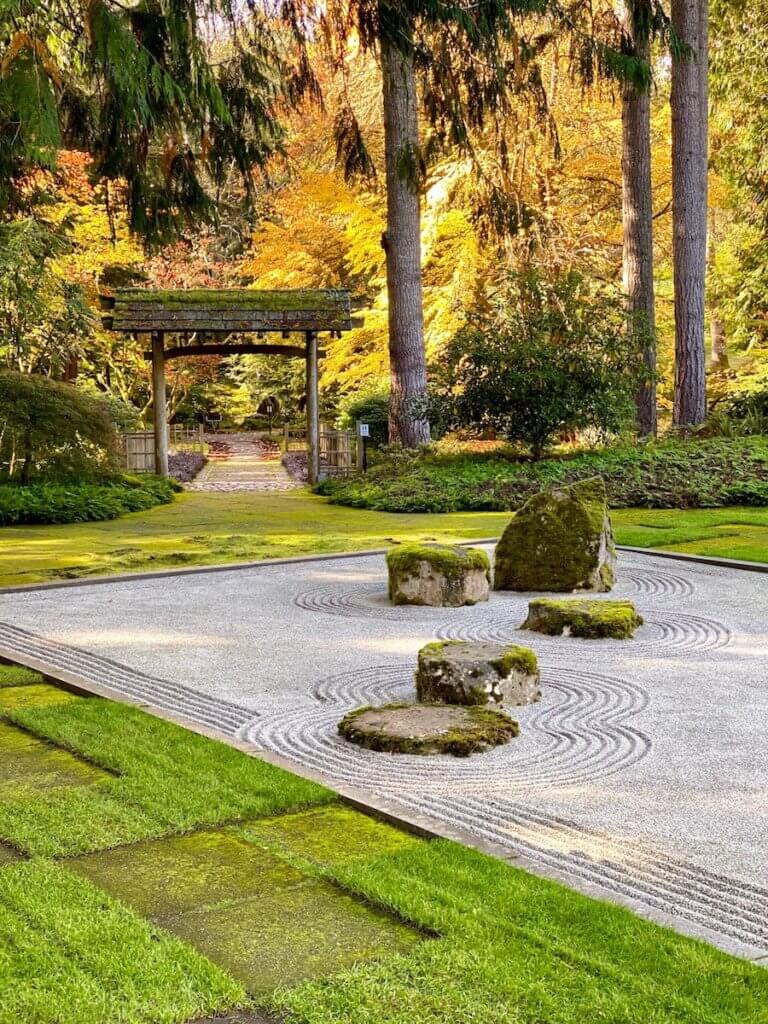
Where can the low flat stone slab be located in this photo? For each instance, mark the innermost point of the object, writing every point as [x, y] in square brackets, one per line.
[615, 620]
[250, 912]
[476, 673]
[329, 836]
[427, 729]
[438, 575]
[28, 763]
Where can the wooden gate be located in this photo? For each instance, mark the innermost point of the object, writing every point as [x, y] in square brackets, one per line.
[339, 452]
[138, 451]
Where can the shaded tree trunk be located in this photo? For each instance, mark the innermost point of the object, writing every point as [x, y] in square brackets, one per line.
[689, 103]
[637, 215]
[402, 246]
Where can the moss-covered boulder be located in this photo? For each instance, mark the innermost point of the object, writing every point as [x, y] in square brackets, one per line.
[438, 575]
[428, 729]
[472, 673]
[560, 541]
[578, 617]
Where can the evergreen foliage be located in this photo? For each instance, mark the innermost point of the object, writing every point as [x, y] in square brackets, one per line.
[550, 358]
[168, 97]
[50, 429]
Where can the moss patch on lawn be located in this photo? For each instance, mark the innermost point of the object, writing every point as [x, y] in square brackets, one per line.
[328, 836]
[71, 954]
[17, 675]
[266, 922]
[162, 779]
[616, 620]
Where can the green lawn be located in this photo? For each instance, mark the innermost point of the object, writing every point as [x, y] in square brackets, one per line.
[508, 948]
[203, 528]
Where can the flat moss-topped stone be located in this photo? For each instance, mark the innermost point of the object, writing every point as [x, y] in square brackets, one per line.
[427, 729]
[438, 575]
[476, 673]
[576, 617]
[559, 541]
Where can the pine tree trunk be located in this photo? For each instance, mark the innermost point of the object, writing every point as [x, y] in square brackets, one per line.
[402, 245]
[689, 208]
[637, 212]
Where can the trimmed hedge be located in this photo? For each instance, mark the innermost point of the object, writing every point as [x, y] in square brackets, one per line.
[82, 502]
[671, 474]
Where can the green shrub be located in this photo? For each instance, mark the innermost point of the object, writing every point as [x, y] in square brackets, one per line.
[51, 429]
[371, 406]
[82, 502]
[550, 358]
[673, 474]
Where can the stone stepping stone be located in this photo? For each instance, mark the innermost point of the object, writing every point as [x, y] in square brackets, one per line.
[330, 836]
[28, 763]
[250, 912]
[427, 729]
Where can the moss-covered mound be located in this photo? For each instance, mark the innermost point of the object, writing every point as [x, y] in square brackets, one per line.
[438, 575]
[559, 541]
[472, 673]
[617, 620]
[427, 729]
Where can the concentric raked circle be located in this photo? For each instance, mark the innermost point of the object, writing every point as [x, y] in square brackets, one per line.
[660, 636]
[653, 583]
[580, 731]
[368, 599]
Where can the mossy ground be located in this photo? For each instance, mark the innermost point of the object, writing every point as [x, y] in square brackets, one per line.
[615, 620]
[206, 529]
[509, 946]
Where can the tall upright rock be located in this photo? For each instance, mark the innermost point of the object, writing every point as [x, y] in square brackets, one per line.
[559, 541]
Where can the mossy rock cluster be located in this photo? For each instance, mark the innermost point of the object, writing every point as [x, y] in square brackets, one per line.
[473, 673]
[427, 729]
[559, 541]
[438, 575]
[615, 620]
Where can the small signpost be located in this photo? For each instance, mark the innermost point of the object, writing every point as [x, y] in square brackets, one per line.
[363, 433]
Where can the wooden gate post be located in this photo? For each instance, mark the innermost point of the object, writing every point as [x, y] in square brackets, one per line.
[160, 419]
[313, 411]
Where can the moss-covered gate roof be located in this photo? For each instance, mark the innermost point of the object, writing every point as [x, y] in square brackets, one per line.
[228, 310]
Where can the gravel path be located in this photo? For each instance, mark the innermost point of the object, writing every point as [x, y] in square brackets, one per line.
[641, 776]
[242, 462]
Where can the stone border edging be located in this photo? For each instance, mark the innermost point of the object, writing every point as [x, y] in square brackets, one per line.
[196, 570]
[394, 813]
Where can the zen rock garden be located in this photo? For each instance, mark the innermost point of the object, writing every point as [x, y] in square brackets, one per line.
[560, 541]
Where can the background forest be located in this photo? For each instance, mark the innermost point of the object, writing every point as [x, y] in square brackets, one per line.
[521, 202]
